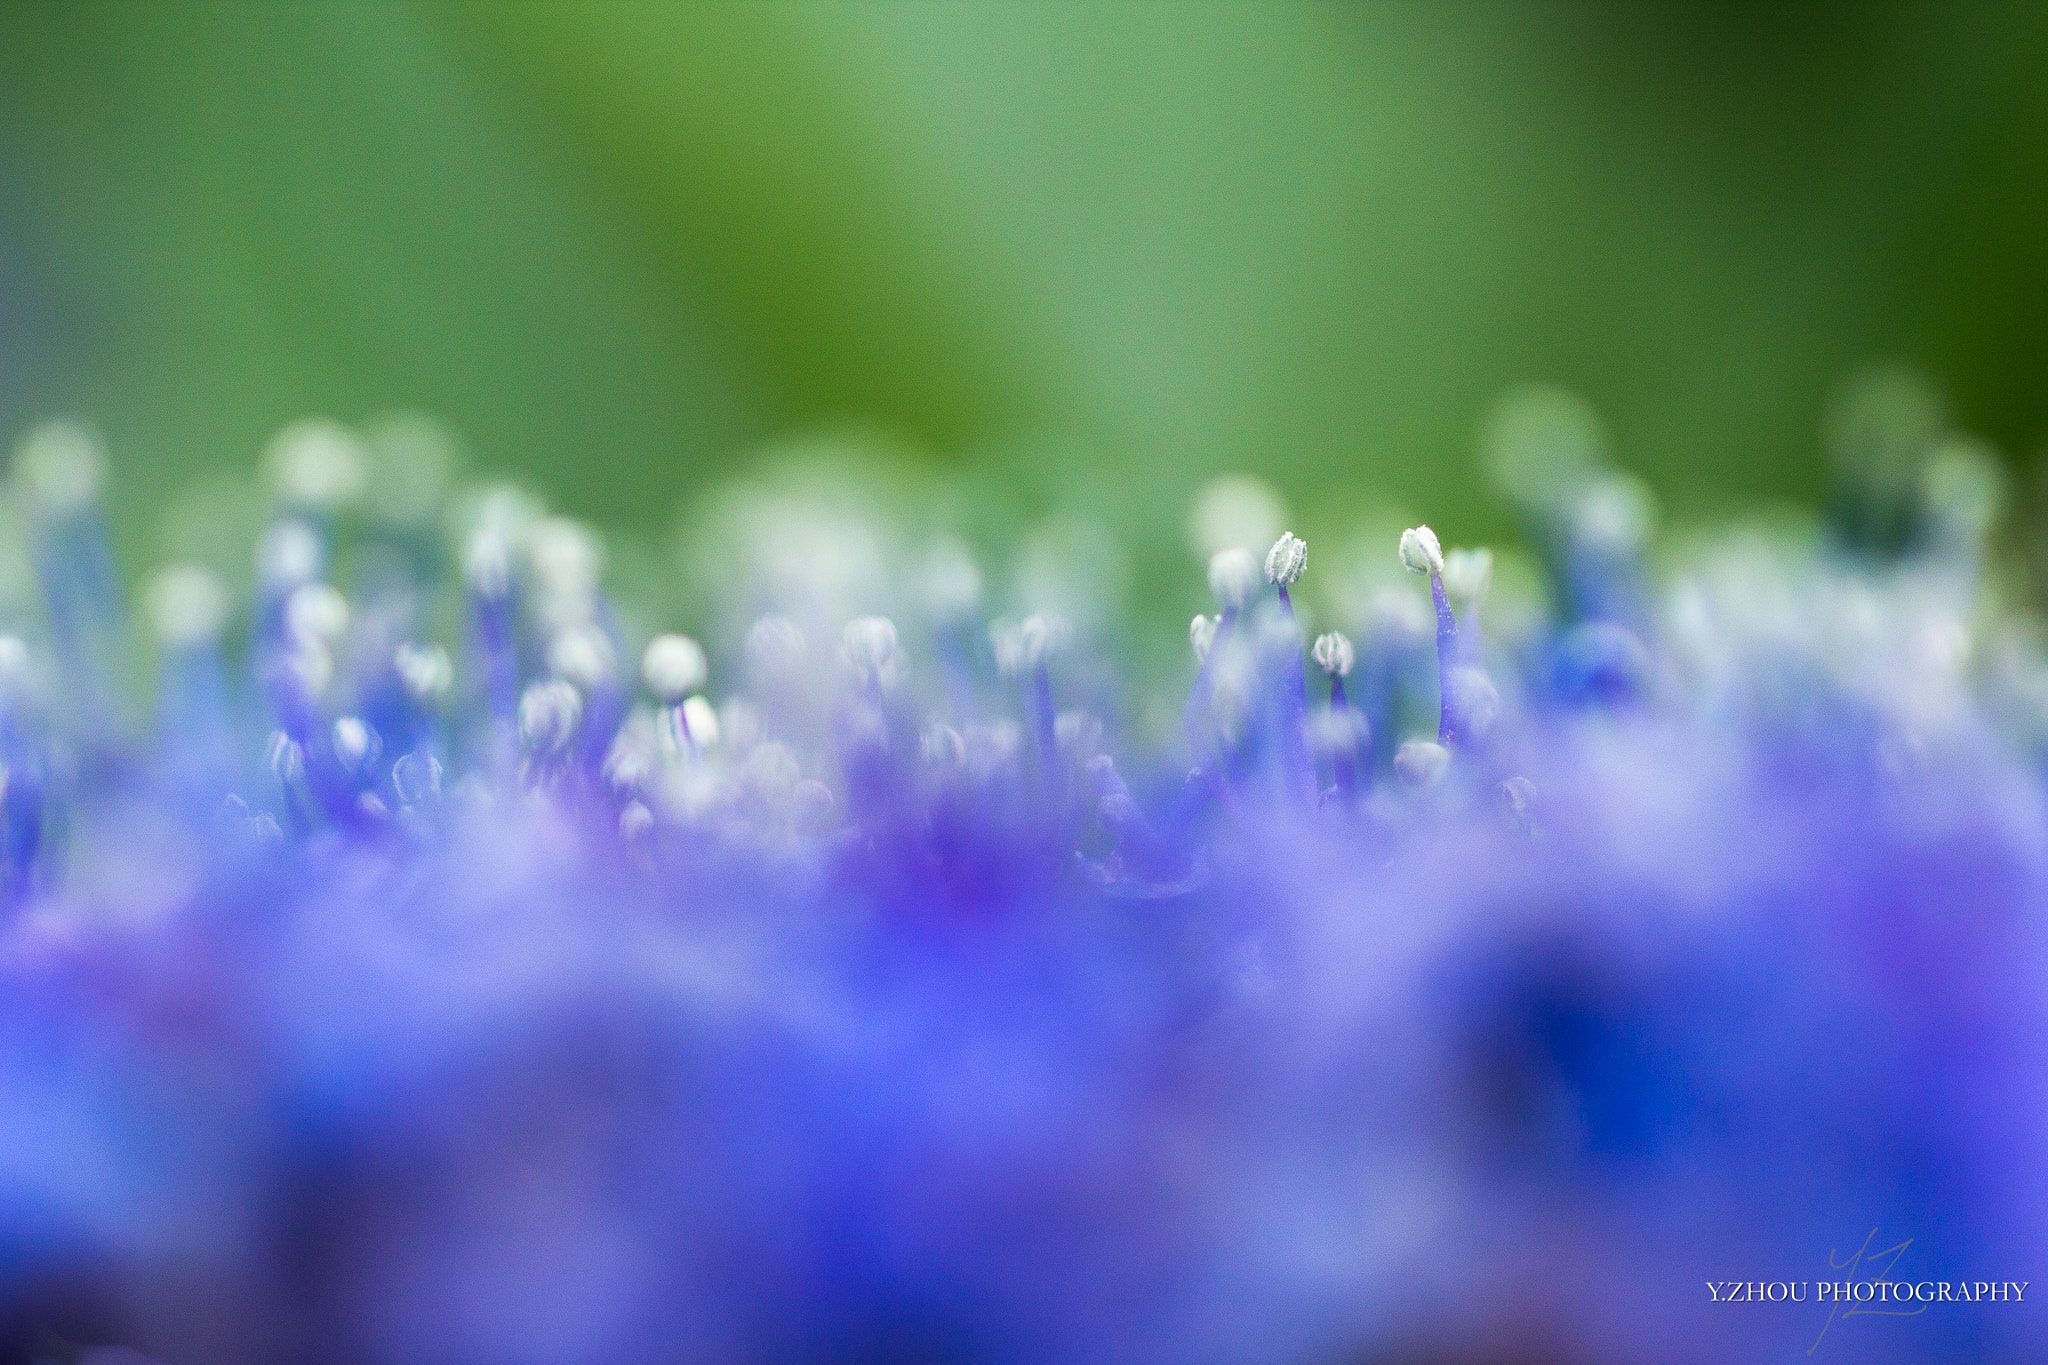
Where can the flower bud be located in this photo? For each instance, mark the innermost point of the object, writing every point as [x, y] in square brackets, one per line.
[1202, 635]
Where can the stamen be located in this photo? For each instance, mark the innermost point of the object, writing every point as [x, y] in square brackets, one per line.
[549, 713]
[1285, 564]
[1422, 554]
[1038, 639]
[1335, 655]
[1467, 576]
[1518, 802]
[869, 648]
[948, 581]
[316, 467]
[1287, 560]
[699, 722]
[355, 744]
[288, 555]
[62, 469]
[315, 614]
[636, 822]
[582, 655]
[775, 650]
[187, 606]
[425, 671]
[416, 778]
[1233, 577]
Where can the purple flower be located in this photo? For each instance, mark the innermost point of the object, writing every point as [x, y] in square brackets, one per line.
[553, 988]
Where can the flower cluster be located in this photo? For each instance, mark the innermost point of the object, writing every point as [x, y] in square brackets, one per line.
[460, 968]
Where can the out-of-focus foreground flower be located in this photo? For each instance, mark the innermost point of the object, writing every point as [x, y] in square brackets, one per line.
[454, 970]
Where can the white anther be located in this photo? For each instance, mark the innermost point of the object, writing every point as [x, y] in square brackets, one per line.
[673, 666]
[1420, 551]
[1468, 574]
[1287, 560]
[775, 647]
[582, 655]
[635, 822]
[285, 759]
[702, 720]
[487, 563]
[1233, 577]
[869, 646]
[549, 713]
[62, 467]
[187, 606]
[1518, 800]
[316, 613]
[426, 671]
[1202, 635]
[13, 663]
[415, 777]
[316, 466]
[1007, 640]
[567, 558]
[288, 555]
[1040, 637]
[1615, 514]
[1334, 654]
[1277, 630]
[1421, 762]
[942, 747]
[631, 759]
[1235, 510]
[948, 581]
[355, 743]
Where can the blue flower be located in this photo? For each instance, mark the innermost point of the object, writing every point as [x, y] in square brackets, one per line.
[464, 968]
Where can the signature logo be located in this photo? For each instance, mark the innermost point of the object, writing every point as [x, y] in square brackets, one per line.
[1871, 1289]
[1890, 1257]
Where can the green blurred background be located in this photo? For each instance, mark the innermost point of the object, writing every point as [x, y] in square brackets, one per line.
[1095, 252]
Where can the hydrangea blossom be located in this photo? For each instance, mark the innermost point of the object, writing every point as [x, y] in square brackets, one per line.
[453, 970]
